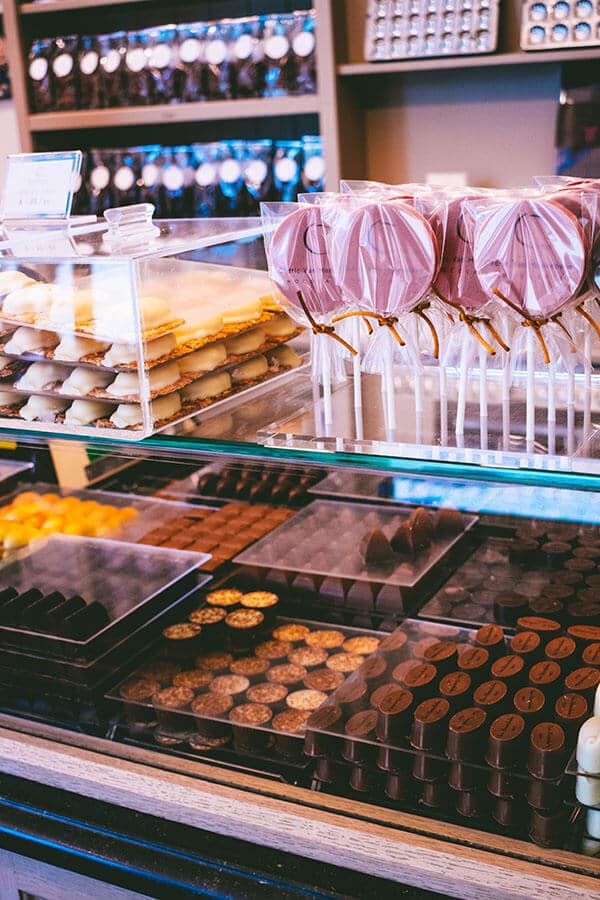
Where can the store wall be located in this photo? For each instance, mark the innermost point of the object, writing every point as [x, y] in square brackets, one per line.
[471, 121]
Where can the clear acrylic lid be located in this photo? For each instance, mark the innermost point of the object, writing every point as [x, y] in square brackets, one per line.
[89, 242]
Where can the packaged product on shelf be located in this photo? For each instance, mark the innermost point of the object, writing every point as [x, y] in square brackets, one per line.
[231, 180]
[91, 94]
[163, 64]
[192, 41]
[125, 178]
[279, 56]
[256, 167]
[63, 73]
[247, 58]
[313, 169]
[151, 175]
[40, 88]
[99, 182]
[177, 179]
[113, 49]
[217, 55]
[206, 177]
[304, 48]
[286, 169]
[138, 79]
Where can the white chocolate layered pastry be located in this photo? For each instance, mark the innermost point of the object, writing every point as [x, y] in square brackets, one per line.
[72, 309]
[33, 300]
[244, 311]
[116, 320]
[84, 412]
[249, 371]
[197, 331]
[81, 381]
[127, 384]
[209, 387]
[42, 409]
[7, 399]
[129, 415]
[246, 343]
[281, 327]
[13, 280]
[125, 354]
[31, 340]
[72, 348]
[210, 357]
[40, 375]
[5, 361]
[285, 358]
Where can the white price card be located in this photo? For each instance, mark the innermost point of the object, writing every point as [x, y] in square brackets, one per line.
[40, 186]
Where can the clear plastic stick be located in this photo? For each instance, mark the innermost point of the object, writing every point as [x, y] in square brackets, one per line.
[462, 386]
[388, 389]
[418, 407]
[571, 412]
[443, 404]
[551, 400]
[506, 370]
[327, 405]
[587, 386]
[356, 363]
[483, 398]
[530, 399]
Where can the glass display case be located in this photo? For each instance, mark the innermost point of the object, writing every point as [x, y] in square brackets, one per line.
[386, 671]
[118, 327]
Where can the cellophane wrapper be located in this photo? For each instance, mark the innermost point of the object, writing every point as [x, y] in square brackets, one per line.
[384, 258]
[298, 260]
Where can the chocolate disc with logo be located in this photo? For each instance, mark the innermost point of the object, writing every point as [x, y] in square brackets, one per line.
[533, 252]
[385, 258]
[299, 261]
[457, 280]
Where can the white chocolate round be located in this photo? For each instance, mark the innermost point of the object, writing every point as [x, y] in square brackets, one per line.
[125, 354]
[32, 300]
[72, 348]
[245, 343]
[28, 340]
[40, 374]
[281, 327]
[12, 280]
[42, 408]
[204, 360]
[248, 371]
[81, 381]
[130, 414]
[84, 412]
[208, 387]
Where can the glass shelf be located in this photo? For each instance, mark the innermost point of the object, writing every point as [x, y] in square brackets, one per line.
[285, 421]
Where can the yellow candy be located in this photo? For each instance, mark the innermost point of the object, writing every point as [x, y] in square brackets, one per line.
[26, 497]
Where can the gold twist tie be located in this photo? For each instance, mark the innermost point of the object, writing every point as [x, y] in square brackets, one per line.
[319, 328]
[536, 324]
[589, 318]
[470, 321]
[420, 311]
[387, 321]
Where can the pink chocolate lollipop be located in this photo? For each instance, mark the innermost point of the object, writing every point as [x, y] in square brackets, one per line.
[299, 261]
[385, 259]
[457, 279]
[532, 252]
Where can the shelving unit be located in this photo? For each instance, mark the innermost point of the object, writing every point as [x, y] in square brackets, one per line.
[392, 121]
[184, 112]
[22, 21]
